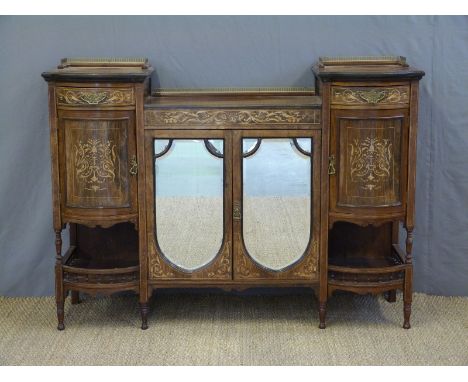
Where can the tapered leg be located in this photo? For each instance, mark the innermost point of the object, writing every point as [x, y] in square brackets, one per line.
[322, 314]
[408, 288]
[75, 297]
[144, 309]
[407, 314]
[60, 315]
[407, 297]
[59, 293]
[390, 296]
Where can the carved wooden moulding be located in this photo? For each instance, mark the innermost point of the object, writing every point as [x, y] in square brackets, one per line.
[95, 96]
[231, 117]
[394, 95]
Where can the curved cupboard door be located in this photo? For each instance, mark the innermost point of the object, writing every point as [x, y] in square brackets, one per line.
[369, 173]
[98, 168]
[188, 199]
[276, 204]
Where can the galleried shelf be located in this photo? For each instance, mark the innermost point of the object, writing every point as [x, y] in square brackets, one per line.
[233, 187]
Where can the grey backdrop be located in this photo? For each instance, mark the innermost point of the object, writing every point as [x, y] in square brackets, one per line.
[233, 51]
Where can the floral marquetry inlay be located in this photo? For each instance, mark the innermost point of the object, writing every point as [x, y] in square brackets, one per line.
[222, 117]
[372, 96]
[91, 96]
[310, 266]
[95, 162]
[370, 162]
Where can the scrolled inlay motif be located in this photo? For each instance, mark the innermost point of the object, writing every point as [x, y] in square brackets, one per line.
[372, 96]
[243, 268]
[310, 266]
[370, 161]
[91, 96]
[223, 268]
[156, 267]
[95, 162]
[223, 117]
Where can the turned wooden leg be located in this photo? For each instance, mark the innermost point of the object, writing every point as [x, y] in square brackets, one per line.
[60, 314]
[75, 297]
[407, 297]
[407, 314]
[390, 296]
[322, 314]
[59, 292]
[144, 309]
[408, 286]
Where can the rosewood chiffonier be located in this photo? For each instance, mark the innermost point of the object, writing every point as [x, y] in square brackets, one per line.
[233, 188]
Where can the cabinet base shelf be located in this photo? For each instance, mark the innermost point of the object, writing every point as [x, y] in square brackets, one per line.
[82, 273]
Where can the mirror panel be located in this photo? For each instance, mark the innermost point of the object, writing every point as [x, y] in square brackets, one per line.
[189, 202]
[276, 218]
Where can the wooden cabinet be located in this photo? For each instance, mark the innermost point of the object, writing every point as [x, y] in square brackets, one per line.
[93, 124]
[372, 107]
[233, 188]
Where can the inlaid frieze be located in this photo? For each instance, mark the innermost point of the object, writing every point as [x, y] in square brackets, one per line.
[370, 95]
[94, 96]
[230, 117]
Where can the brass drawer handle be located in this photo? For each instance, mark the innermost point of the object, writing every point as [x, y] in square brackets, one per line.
[133, 166]
[331, 165]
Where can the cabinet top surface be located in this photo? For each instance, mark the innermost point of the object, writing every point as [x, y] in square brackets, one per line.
[100, 70]
[365, 68]
[233, 98]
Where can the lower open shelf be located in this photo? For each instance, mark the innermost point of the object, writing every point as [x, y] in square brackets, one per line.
[364, 259]
[102, 259]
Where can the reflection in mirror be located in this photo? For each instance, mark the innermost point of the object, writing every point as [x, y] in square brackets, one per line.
[189, 202]
[276, 219]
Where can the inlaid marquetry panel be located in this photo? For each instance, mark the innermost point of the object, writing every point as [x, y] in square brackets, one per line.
[231, 117]
[68, 96]
[353, 95]
[369, 161]
[96, 161]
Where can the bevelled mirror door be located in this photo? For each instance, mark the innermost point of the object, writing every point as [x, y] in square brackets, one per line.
[275, 206]
[189, 199]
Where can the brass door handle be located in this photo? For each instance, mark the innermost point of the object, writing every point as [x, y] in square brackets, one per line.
[331, 165]
[133, 166]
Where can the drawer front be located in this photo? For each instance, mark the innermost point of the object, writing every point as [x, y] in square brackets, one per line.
[370, 96]
[68, 96]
